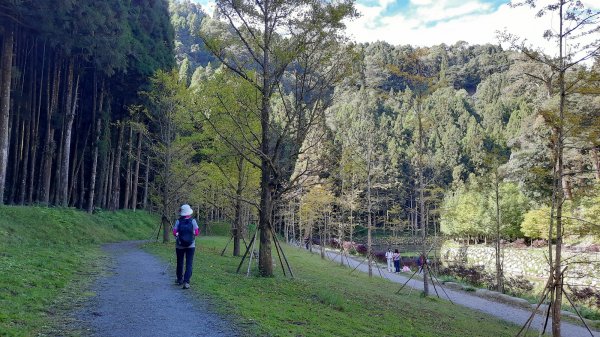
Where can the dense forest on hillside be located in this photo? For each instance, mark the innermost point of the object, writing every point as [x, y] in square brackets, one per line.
[400, 137]
[81, 120]
[483, 112]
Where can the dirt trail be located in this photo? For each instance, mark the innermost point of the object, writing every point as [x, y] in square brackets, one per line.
[503, 311]
[140, 299]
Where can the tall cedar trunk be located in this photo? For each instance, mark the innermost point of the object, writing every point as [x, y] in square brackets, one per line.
[81, 196]
[36, 128]
[116, 185]
[136, 174]
[6, 77]
[265, 263]
[422, 206]
[49, 144]
[559, 199]
[128, 171]
[104, 156]
[24, 171]
[90, 204]
[109, 181]
[146, 184]
[19, 128]
[74, 170]
[71, 108]
[238, 208]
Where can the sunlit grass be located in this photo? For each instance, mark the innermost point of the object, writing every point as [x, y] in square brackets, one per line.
[47, 258]
[324, 299]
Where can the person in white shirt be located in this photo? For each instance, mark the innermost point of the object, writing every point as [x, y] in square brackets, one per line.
[389, 256]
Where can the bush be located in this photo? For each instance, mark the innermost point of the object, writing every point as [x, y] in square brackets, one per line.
[517, 286]
[380, 256]
[472, 275]
[539, 243]
[361, 249]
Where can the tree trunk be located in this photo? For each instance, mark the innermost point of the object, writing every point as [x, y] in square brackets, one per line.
[422, 206]
[128, 171]
[136, 174]
[238, 208]
[25, 165]
[36, 128]
[5, 85]
[556, 304]
[146, 178]
[117, 172]
[90, 204]
[109, 181]
[369, 208]
[499, 269]
[17, 135]
[71, 107]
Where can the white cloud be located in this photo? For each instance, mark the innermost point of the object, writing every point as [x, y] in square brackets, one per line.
[468, 24]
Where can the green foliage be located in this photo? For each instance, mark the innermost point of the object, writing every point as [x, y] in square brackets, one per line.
[46, 254]
[471, 211]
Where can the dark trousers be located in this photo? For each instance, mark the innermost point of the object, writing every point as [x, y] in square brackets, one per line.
[188, 253]
[397, 265]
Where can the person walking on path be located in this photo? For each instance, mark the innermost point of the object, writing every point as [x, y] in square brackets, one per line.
[389, 256]
[396, 257]
[421, 263]
[185, 232]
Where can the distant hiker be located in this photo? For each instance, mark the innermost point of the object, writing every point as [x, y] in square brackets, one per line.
[389, 256]
[185, 231]
[396, 258]
[421, 263]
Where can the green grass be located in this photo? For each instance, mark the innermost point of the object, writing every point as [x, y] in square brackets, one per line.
[48, 256]
[324, 299]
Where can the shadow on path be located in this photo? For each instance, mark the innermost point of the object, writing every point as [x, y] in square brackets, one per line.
[139, 299]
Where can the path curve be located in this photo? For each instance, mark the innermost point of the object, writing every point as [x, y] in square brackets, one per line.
[140, 298]
[503, 311]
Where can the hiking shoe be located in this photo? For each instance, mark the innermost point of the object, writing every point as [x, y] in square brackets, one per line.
[179, 282]
[186, 286]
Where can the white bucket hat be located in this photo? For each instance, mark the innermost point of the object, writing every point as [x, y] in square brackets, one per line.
[185, 210]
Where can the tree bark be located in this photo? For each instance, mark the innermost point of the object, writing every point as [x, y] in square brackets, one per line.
[136, 174]
[146, 178]
[36, 128]
[128, 171]
[90, 204]
[71, 106]
[24, 172]
[5, 86]
[238, 208]
[116, 177]
[109, 181]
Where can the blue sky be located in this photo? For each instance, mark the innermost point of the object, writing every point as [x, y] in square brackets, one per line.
[432, 22]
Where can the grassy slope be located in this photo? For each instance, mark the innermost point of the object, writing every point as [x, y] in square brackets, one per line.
[48, 255]
[325, 300]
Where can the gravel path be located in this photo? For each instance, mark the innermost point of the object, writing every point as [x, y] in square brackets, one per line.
[506, 312]
[140, 299]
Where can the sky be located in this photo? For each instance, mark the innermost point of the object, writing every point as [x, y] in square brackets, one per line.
[432, 22]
